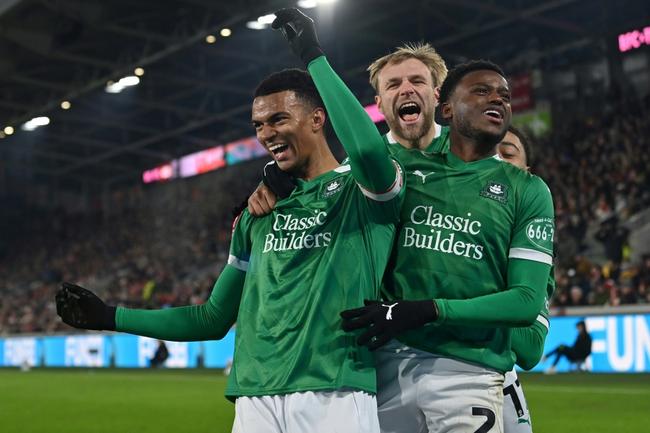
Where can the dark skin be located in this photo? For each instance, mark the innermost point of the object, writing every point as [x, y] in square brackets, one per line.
[511, 150]
[283, 118]
[478, 111]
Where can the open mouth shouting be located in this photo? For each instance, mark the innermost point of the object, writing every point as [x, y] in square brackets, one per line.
[495, 115]
[409, 112]
[279, 151]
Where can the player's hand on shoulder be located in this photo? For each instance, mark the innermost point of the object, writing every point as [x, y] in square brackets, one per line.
[81, 308]
[281, 183]
[262, 201]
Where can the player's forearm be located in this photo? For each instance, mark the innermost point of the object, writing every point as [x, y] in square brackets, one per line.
[208, 321]
[191, 323]
[370, 161]
[528, 344]
[519, 305]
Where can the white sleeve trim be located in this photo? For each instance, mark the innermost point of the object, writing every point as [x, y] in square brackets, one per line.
[528, 254]
[242, 265]
[392, 192]
[543, 320]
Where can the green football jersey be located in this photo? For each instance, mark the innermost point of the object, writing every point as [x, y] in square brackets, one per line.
[321, 251]
[460, 225]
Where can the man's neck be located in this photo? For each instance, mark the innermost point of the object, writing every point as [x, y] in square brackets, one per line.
[469, 149]
[320, 162]
[421, 143]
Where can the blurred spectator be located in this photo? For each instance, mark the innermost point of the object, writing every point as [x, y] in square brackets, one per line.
[575, 354]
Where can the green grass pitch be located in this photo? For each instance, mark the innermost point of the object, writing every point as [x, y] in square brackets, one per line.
[174, 401]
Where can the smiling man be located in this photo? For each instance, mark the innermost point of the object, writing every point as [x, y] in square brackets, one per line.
[476, 235]
[289, 274]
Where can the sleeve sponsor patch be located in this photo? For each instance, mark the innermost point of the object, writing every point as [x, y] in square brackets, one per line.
[540, 233]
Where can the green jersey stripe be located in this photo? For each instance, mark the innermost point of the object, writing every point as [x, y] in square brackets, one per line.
[392, 192]
[238, 263]
[528, 254]
[544, 321]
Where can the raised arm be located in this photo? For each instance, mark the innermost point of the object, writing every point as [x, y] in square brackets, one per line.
[370, 162]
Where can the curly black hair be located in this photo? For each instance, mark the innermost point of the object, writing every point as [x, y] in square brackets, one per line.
[296, 80]
[459, 71]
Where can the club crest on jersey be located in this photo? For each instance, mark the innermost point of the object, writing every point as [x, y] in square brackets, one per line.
[332, 187]
[495, 191]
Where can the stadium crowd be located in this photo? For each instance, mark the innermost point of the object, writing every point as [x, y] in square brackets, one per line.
[165, 245]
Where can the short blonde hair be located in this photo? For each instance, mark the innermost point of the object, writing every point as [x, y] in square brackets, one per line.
[420, 51]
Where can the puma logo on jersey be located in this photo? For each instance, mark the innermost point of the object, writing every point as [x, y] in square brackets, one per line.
[389, 313]
[422, 175]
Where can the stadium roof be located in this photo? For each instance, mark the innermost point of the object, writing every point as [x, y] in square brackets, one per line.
[195, 95]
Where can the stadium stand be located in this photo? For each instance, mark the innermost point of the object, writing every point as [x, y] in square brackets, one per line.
[165, 245]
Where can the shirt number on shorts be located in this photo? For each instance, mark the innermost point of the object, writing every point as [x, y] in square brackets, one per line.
[514, 395]
[489, 423]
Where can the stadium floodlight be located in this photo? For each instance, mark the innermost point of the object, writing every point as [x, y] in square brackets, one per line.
[210, 39]
[112, 87]
[255, 25]
[66, 105]
[307, 4]
[266, 19]
[225, 32]
[310, 4]
[36, 122]
[138, 71]
[8, 130]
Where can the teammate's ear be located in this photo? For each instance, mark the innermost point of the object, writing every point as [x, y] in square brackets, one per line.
[445, 110]
[436, 94]
[318, 118]
[378, 102]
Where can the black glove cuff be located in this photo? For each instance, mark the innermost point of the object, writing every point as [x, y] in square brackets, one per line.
[311, 53]
[428, 311]
[111, 312]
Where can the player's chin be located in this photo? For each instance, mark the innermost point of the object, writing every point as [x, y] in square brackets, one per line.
[492, 135]
[287, 165]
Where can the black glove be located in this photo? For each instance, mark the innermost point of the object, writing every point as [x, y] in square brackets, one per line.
[281, 183]
[386, 320]
[82, 309]
[300, 32]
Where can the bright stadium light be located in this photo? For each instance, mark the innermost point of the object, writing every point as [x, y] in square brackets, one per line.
[112, 87]
[310, 4]
[225, 32]
[255, 25]
[307, 4]
[66, 105]
[210, 39]
[8, 130]
[36, 122]
[266, 19]
[138, 72]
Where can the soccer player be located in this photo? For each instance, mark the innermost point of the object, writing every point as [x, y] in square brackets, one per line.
[289, 274]
[516, 149]
[472, 261]
[411, 411]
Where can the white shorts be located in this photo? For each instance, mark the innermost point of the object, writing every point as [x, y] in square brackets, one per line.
[516, 418]
[419, 392]
[311, 411]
